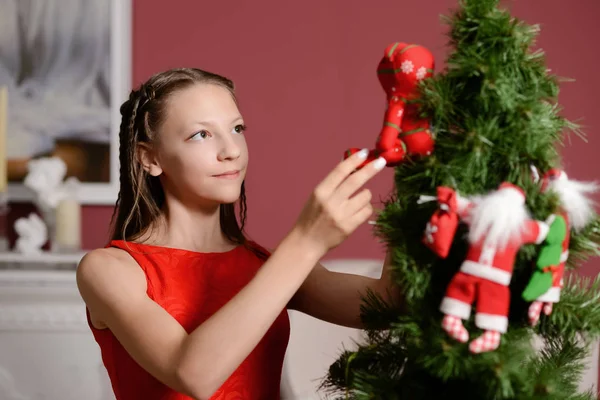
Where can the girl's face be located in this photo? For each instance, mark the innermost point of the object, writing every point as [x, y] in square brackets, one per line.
[201, 151]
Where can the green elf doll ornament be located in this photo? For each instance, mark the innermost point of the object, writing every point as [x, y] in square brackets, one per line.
[404, 132]
[575, 213]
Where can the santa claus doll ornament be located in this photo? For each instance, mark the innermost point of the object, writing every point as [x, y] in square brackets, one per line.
[576, 211]
[499, 224]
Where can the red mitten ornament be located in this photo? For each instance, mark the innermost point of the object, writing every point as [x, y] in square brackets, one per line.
[404, 133]
[442, 226]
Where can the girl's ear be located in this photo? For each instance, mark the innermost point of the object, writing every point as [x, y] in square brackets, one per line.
[147, 158]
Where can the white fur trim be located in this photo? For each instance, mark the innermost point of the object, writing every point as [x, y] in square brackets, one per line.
[488, 272]
[551, 296]
[544, 229]
[426, 199]
[491, 322]
[455, 307]
[564, 256]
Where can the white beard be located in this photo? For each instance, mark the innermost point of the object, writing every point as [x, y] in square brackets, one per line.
[575, 200]
[499, 218]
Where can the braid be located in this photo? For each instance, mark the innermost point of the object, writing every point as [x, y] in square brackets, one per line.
[128, 112]
[132, 134]
[125, 116]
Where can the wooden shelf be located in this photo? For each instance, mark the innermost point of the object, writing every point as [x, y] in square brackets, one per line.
[43, 258]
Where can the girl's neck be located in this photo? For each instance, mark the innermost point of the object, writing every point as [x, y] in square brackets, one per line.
[196, 230]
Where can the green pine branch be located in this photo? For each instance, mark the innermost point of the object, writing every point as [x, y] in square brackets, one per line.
[588, 395]
[355, 369]
[578, 311]
[584, 245]
[376, 313]
[557, 369]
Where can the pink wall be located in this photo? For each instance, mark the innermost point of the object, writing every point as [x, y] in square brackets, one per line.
[308, 90]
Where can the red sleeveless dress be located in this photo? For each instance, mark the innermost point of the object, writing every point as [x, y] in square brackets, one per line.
[191, 286]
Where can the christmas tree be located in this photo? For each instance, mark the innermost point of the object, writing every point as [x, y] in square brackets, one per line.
[498, 129]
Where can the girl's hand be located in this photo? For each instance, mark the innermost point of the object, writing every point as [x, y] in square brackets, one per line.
[331, 214]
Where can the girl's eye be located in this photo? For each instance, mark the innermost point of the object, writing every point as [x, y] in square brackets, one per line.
[239, 129]
[200, 135]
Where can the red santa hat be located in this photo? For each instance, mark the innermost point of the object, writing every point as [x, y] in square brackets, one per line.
[553, 175]
[511, 189]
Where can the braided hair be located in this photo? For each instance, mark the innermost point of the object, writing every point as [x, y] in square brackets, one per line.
[141, 196]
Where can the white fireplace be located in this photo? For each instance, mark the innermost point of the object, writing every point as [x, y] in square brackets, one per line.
[46, 349]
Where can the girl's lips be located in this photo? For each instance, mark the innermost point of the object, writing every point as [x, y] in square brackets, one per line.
[229, 175]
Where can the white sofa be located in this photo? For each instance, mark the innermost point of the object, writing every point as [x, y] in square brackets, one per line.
[48, 353]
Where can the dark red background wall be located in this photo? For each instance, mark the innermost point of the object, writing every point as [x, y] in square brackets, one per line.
[305, 73]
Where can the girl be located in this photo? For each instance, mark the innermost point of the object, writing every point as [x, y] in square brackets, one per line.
[181, 304]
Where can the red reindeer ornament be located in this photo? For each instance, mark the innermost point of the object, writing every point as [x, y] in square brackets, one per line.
[404, 133]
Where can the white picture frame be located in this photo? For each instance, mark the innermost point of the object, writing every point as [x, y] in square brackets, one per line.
[104, 193]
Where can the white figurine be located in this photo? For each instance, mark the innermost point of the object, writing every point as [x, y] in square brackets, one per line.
[33, 234]
[45, 177]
